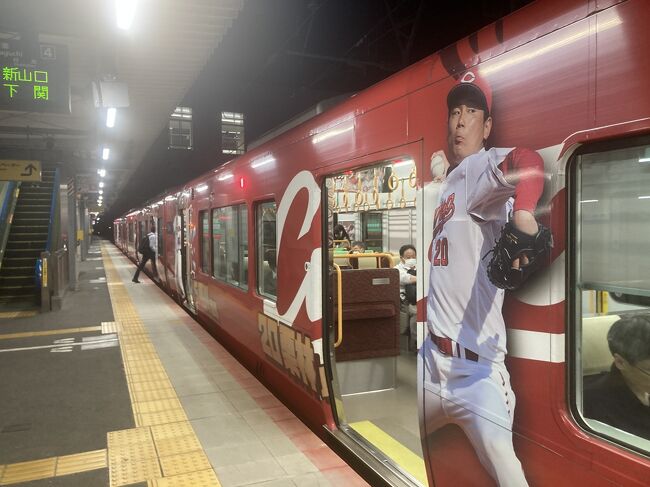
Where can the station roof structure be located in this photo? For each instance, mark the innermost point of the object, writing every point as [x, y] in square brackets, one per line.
[268, 59]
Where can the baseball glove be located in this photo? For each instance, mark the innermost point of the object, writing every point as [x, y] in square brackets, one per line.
[513, 244]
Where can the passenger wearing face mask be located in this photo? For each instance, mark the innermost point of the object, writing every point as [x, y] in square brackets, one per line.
[407, 292]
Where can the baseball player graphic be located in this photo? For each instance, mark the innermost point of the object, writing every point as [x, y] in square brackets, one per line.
[465, 378]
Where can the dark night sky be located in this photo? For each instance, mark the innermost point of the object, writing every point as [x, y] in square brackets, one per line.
[281, 57]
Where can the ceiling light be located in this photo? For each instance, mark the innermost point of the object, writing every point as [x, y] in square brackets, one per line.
[101, 184]
[101, 172]
[110, 117]
[644, 159]
[125, 10]
[105, 153]
[101, 191]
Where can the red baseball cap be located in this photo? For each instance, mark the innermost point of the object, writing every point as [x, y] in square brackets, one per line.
[473, 90]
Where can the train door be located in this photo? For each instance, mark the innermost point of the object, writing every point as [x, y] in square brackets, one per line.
[183, 257]
[372, 328]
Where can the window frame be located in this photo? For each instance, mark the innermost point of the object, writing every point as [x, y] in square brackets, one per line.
[185, 119]
[232, 124]
[573, 296]
[236, 209]
[205, 269]
[259, 252]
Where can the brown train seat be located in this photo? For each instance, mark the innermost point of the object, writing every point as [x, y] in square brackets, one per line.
[370, 314]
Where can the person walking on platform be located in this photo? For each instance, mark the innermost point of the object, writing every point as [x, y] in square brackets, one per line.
[147, 248]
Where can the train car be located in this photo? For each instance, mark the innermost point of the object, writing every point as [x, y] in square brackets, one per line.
[257, 250]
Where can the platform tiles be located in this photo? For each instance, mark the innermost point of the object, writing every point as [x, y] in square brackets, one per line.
[202, 410]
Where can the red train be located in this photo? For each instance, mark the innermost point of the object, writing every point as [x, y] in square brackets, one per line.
[257, 251]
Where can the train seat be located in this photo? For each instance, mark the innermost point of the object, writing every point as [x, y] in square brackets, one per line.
[367, 356]
[596, 356]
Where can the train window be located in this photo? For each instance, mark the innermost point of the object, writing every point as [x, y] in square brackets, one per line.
[230, 244]
[180, 128]
[266, 249]
[204, 228]
[232, 133]
[130, 235]
[611, 204]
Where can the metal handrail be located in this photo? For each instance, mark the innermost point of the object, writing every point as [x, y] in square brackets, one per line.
[53, 209]
[376, 255]
[6, 215]
[339, 300]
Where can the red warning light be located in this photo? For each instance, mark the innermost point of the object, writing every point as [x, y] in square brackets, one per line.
[241, 182]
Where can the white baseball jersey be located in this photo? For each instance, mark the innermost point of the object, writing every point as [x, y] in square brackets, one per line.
[462, 303]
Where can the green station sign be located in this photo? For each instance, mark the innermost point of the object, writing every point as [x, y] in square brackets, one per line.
[34, 77]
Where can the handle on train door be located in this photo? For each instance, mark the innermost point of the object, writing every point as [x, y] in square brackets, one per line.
[339, 298]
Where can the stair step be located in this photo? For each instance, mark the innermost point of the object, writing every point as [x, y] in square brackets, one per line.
[20, 262]
[26, 253]
[16, 281]
[17, 291]
[26, 227]
[16, 271]
[27, 245]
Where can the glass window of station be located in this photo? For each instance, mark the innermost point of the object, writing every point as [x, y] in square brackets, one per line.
[610, 286]
[180, 128]
[232, 133]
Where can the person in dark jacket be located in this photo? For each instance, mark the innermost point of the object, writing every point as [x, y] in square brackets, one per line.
[148, 251]
[621, 397]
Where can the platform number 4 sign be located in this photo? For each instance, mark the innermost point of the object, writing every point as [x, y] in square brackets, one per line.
[48, 52]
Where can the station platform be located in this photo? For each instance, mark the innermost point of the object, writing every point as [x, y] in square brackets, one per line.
[122, 387]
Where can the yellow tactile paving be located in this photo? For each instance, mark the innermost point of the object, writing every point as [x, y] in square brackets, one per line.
[154, 385]
[59, 331]
[171, 430]
[127, 437]
[204, 478]
[18, 314]
[157, 406]
[25, 471]
[176, 445]
[163, 448]
[147, 376]
[163, 433]
[125, 473]
[81, 462]
[184, 463]
[162, 417]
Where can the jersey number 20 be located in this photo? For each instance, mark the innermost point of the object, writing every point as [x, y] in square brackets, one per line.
[441, 255]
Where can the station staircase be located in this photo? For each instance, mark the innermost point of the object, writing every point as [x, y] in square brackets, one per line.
[27, 239]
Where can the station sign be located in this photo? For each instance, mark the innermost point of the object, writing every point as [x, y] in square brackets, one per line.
[35, 76]
[19, 170]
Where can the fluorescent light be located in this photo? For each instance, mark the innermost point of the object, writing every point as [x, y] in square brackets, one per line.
[101, 172]
[644, 197]
[262, 161]
[110, 117]
[101, 184]
[644, 159]
[201, 188]
[589, 201]
[403, 163]
[333, 132]
[224, 177]
[105, 153]
[125, 11]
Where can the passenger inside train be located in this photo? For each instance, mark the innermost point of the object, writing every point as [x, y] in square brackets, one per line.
[376, 366]
[620, 397]
[408, 294]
